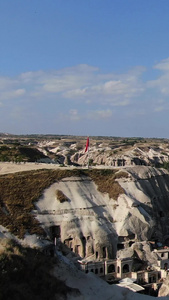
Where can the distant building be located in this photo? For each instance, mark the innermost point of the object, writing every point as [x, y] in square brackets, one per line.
[112, 269]
[163, 258]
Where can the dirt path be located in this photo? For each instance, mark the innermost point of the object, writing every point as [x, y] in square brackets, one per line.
[7, 167]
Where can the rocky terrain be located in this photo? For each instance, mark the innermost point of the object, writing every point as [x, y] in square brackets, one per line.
[118, 208]
[70, 150]
[92, 223]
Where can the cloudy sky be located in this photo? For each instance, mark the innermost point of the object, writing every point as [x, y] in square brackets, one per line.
[85, 67]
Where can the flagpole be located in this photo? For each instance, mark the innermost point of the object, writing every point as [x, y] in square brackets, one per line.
[87, 150]
[88, 157]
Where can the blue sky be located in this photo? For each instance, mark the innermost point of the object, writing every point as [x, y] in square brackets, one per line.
[93, 67]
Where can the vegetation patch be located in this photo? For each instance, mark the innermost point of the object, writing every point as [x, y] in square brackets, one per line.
[61, 197]
[121, 174]
[25, 273]
[31, 154]
[17, 153]
[105, 180]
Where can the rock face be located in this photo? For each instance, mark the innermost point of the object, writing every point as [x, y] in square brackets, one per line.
[148, 195]
[136, 156]
[164, 290]
[86, 225]
[92, 224]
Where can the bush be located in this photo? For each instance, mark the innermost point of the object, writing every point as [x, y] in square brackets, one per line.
[61, 197]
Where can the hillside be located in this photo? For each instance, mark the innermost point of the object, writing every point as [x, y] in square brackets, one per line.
[95, 213]
[25, 273]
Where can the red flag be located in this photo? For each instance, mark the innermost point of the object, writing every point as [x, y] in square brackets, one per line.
[87, 144]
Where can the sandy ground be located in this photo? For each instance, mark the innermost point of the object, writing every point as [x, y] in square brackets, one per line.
[7, 167]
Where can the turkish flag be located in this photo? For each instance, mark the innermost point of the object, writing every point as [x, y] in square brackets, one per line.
[87, 144]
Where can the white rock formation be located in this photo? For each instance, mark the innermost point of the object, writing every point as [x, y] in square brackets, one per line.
[93, 224]
[135, 156]
[164, 290]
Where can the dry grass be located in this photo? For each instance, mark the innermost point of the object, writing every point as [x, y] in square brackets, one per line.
[19, 153]
[61, 197]
[19, 191]
[105, 180]
[121, 174]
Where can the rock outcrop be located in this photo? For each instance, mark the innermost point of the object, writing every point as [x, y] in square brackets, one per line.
[164, 290]
[110, 152]
[132, 157]
[91, 223]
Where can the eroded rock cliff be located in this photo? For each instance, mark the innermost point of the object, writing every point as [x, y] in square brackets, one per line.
[93, 224]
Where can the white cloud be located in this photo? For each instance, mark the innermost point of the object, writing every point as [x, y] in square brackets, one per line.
[90, 91]
[107, 88]
[6, 95]
[163, 65]
[57, 84]
[75, 115]
[84, 93]
[82, 83]
[162, 82]
[76, 93]
[100, 114]
[115, 87]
